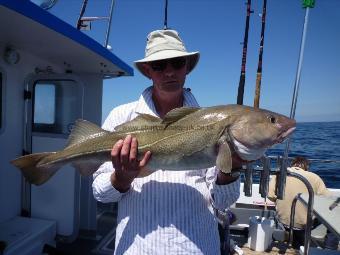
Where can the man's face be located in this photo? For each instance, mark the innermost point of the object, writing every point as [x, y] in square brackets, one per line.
[168, 75]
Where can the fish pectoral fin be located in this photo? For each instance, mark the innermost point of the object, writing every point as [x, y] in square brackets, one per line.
[177, 114]
[86, 167]
[224, 159]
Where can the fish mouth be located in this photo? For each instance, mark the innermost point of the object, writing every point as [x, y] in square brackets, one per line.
[285, 134]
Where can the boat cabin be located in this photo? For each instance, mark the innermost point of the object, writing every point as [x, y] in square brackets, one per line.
[50, 75]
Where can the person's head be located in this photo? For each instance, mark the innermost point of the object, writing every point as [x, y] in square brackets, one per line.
[300, 162]
[166, 61]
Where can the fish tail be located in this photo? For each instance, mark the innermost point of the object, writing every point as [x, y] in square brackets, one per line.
[34, 172]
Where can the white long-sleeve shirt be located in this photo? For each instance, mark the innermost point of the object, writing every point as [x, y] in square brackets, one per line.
[167, 212]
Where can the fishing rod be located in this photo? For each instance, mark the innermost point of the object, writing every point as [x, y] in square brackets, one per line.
[244, 57]
[259, 67]
[166, 15]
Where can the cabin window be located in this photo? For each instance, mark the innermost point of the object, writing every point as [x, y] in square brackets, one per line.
[44, 107]
[56, 105]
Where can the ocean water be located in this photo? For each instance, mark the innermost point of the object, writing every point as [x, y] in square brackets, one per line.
[316, 140]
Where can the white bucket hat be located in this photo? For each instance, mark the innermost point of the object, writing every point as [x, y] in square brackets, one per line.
[165, 44]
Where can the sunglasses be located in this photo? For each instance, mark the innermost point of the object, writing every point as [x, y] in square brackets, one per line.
[160, 65]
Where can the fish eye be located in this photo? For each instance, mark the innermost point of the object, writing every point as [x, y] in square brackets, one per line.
[272, 119]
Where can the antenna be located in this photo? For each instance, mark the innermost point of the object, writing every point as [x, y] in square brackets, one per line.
[306, 4]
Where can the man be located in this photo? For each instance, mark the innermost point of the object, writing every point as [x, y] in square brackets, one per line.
[299, 165]
[166, 212]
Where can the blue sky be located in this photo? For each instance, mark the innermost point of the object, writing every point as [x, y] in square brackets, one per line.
[216, 29]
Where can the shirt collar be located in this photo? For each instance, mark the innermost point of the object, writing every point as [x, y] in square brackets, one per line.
[295, 169]
[145, 104]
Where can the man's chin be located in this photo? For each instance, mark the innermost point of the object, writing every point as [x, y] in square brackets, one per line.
[171, 87]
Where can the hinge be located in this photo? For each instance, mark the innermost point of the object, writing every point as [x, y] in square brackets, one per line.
[27, 94]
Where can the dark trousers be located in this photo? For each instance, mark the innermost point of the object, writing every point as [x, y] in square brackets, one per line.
[299, 235]
[298, 238]
[331, 241]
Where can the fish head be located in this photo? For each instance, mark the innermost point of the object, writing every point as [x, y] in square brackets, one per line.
[258, 129]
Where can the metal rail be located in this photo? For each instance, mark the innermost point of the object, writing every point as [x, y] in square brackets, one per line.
[265, 170]
[281, 167]
[263, 189]
[82, 25]
[108, 29]
[312, 159]
[308, 228]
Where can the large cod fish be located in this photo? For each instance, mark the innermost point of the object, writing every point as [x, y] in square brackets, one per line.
[186, 139]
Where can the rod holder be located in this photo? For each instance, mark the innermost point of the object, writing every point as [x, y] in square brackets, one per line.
[264, 177]
[248, 180]
[281, 178]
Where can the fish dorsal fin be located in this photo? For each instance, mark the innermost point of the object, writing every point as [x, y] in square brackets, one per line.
[177, 114]
[140, 121]
[84, 130]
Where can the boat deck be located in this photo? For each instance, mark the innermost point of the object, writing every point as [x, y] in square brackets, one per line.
[101, 244]
[275, 248]
[240, 238]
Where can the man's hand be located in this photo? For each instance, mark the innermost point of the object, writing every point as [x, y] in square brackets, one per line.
[126, 163]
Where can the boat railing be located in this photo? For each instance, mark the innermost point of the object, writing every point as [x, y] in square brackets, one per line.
[277, 165]
[271, 165]
[308, 228]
